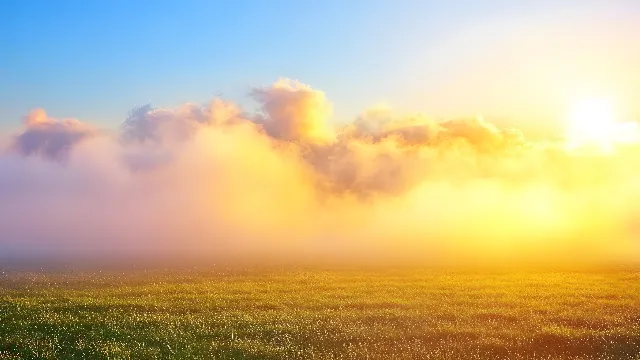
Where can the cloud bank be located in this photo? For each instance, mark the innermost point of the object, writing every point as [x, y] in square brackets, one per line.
[213, 181]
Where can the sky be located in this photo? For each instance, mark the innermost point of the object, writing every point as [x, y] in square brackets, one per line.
[461, 131]
[514, 61]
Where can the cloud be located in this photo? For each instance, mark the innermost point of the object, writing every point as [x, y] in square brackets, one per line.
[212, 181]
[147, 124]
[50, 137]
[295, 112]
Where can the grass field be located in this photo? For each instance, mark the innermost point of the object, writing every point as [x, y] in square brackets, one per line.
[317, 314]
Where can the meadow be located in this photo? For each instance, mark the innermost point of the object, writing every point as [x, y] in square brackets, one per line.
[320, 314]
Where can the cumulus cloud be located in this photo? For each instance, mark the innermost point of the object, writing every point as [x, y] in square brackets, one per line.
[46, 136]
[210, 180]
[295, 112]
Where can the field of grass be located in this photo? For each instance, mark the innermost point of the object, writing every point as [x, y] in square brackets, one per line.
[319, 314]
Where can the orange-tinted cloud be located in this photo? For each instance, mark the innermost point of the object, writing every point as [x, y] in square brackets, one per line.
[212, 181]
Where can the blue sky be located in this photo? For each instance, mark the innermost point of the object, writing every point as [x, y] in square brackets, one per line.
[95, 60]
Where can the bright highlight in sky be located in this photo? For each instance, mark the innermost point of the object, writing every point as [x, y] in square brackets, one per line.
[594, 123]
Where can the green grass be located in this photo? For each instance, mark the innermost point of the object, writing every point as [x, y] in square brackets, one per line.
[316, 314]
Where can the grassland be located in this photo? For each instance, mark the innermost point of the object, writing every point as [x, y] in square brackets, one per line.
[317, 314]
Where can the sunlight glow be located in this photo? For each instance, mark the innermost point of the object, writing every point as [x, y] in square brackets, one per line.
[594, 124]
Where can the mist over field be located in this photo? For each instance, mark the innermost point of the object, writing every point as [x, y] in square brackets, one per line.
[214, 181]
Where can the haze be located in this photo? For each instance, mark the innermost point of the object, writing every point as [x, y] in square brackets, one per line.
[325, 132]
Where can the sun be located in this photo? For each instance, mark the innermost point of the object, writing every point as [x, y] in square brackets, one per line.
[594, 124]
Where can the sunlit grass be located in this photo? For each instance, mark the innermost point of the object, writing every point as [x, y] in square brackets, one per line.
[316, 314]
